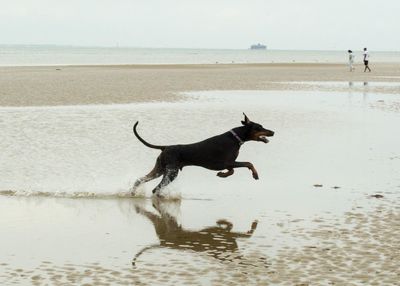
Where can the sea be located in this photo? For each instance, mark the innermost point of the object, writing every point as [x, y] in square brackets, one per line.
[43, 55]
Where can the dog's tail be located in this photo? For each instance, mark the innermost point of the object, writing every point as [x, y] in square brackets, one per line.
[143, 141]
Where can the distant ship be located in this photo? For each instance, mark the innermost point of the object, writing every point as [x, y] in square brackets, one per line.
[258, 47]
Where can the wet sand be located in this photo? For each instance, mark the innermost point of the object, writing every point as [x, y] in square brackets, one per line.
[357, 248]
[71, 85]
[324, 212]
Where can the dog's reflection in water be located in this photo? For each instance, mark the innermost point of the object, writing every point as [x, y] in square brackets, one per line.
[217, 241]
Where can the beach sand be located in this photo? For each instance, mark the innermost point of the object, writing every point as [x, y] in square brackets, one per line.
[325, 211]
[70, 85]
[93, 242]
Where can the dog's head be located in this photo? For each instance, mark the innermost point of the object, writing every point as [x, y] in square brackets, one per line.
[255, 131]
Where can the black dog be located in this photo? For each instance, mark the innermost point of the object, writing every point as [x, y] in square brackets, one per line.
[215, 153]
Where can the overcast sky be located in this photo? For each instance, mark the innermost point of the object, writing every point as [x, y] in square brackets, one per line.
[280, 24]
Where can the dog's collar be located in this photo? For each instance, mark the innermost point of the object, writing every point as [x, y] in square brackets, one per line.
[240, 141]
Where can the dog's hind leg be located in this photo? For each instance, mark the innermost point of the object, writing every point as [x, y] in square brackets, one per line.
[225, 174]
[155, 173]
[247, 165]
[170, 174]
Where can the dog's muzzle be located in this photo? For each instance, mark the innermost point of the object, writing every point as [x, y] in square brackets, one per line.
[263, 136]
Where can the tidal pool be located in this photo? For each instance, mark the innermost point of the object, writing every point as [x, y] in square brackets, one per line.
[67, 215]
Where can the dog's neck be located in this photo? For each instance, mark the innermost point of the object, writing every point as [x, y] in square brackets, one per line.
[240, 141]
[240, 134]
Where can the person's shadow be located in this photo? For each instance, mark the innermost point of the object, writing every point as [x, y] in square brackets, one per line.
[216, 241]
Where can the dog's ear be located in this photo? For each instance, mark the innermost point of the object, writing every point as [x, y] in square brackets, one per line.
[246, 119]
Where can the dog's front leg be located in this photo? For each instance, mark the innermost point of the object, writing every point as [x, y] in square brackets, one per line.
[247, 165]
[225, 174]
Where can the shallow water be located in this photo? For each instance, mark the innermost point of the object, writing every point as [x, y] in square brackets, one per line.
[91, 149]
[67, 216]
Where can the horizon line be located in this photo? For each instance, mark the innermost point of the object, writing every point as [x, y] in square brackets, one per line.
[182, 48]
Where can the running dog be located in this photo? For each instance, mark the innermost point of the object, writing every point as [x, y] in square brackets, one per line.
[216, 153]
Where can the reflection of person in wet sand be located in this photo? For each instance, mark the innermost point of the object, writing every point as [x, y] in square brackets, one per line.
[217, 241]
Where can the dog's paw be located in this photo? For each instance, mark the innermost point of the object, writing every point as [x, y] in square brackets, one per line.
[221, 174]
[132, 191]
[159, 196]
[255, 176]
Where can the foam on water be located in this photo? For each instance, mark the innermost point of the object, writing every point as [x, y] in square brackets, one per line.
[69, 195]
[167, 196]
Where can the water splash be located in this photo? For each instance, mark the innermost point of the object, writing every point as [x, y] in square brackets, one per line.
[89, 195]
[71, 195]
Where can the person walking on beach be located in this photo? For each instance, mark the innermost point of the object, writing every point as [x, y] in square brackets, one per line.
[366, 58]
[351, 60]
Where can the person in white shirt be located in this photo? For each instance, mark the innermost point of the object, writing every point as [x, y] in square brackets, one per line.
[366, 58]
[351, 60]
